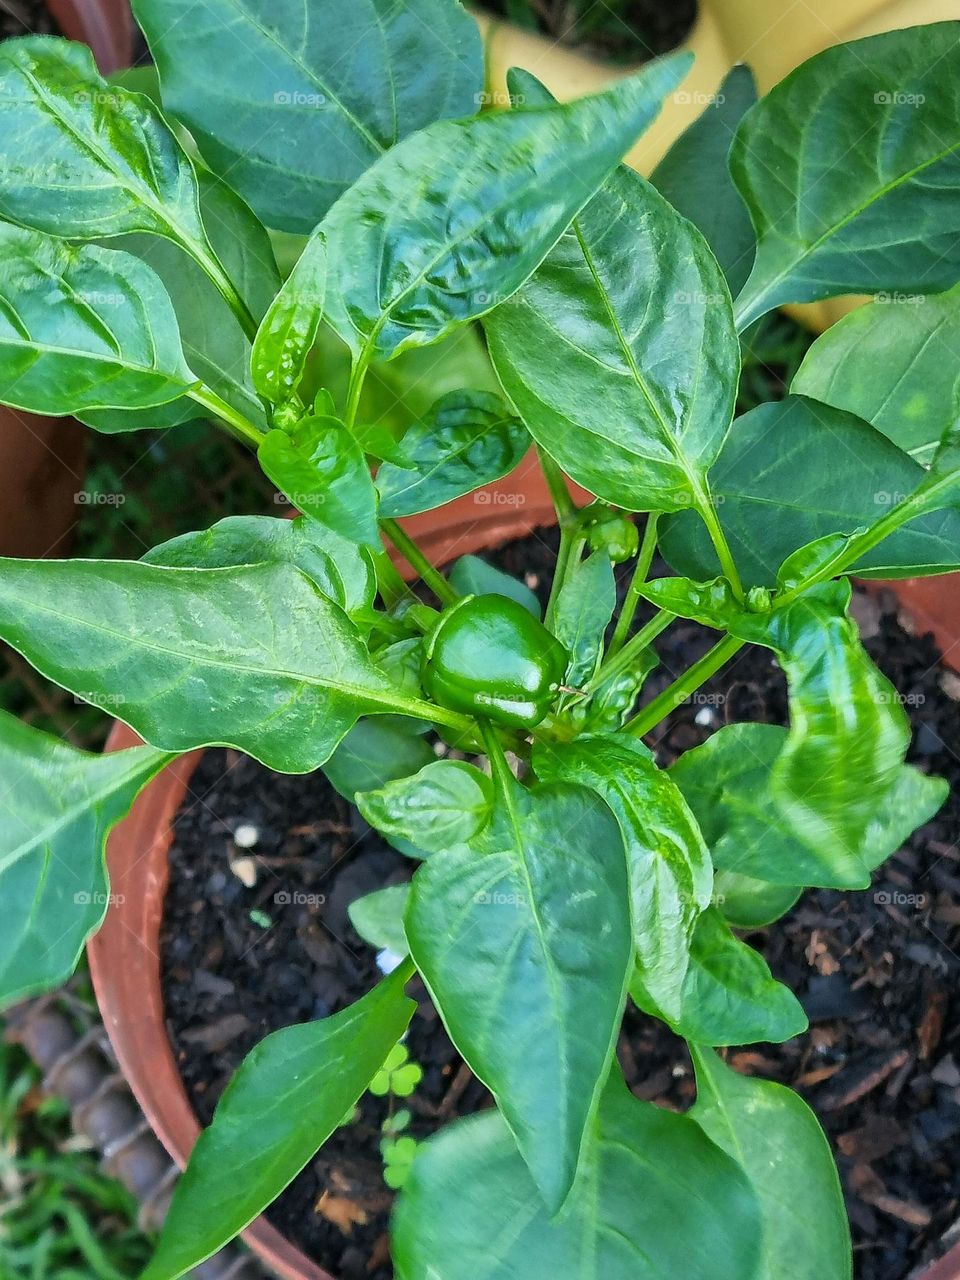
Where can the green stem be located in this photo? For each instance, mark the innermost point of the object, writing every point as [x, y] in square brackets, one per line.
[358, 374]
[206, 258]
[502, 773]
[563, 503]
[681, 689]
[434, 579]
[392, 587]
[644, 560]
[621, 661]
[238, 425]
[708, 515]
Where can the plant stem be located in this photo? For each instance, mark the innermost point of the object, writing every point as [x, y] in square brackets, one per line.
[392, 587]
[644, 560]
[621, 661]
[563, 503]
[571, 538]
[708, 515]
[502, 773]
[205, 256]
[358, 374]
[681, 689]
[434, 579]
[237, 424]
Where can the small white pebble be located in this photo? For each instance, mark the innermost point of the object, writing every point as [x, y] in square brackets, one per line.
[532, 580]
[388, 960]
[246, 835]
[245, 869]
[950, 684]
[705, 716]
[678, 1071]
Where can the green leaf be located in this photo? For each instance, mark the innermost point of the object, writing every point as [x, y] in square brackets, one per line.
[343, 571]
[452, 221]
[56, 811]
[728, 995]
[469, 439]
[776, 1139]
[447, 803]
[746, 903]
[470, 1210]
[523, 940]
[892, 363]
[848, 170]
[289, 329]
[378, 918]
[774, 494]
[728, 782]
[289, 1093]
[292, 105]
[83, 328]
[252, 657]
[82, 158]
[214, 343]
[620, 352]
[668, 863]
[585, 605]
[471, 576]
[373, 754]
[695, 178]
[321, 469]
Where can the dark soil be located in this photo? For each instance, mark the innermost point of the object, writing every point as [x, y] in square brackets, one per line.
[877, 971]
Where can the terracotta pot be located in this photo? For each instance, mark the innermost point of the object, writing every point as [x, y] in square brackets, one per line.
[42, 459]
[124, 956]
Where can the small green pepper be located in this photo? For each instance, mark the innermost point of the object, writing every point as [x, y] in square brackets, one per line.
[610, 531]
[488, 656]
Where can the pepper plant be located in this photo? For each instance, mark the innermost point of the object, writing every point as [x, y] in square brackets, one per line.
[570, 873]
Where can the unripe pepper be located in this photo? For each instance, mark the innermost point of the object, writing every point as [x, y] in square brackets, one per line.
[610, 531]
[489, 657]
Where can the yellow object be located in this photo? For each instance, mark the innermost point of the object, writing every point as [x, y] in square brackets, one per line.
[771, 36]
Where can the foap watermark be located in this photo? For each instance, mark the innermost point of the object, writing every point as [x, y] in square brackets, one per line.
[887, 296]
[93, 498]
[296, 98]
[497, 498]
[897, 98]
[498, 899]
[97, 98]
[497, 98]
[697, 98]
[302, 501]
[92, 698]
[98, 898]
[899, 898]
[297, 898]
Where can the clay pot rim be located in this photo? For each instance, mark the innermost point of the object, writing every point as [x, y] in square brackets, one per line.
[123, 957]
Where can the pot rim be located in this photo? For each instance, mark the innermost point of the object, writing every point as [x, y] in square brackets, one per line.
[124, 960]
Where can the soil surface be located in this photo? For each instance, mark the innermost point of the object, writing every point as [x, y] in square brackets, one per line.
[877, 971]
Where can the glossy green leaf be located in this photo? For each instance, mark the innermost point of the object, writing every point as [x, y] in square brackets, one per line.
[728, 994]
[374, 753]
[523, 940]
[469, 439]
[585, 605]
[56, 811]
[83, 158]
[940, 487]
[215, 345]
[776, 1139]
[322, 471]
[470, 1211]
[695, 178]
[849, 171]
[608, 707]
[728, 782]
[252, 657]
[289, 329]
[775, 493]
[378, 918]
[746, 903]
[343, 571]
[83, 328]
[293, 105]
[291, 1091]
[669, 865]
[471, 576]
[402, 270]
[895, 364]
[620, 352]
[447, 803]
